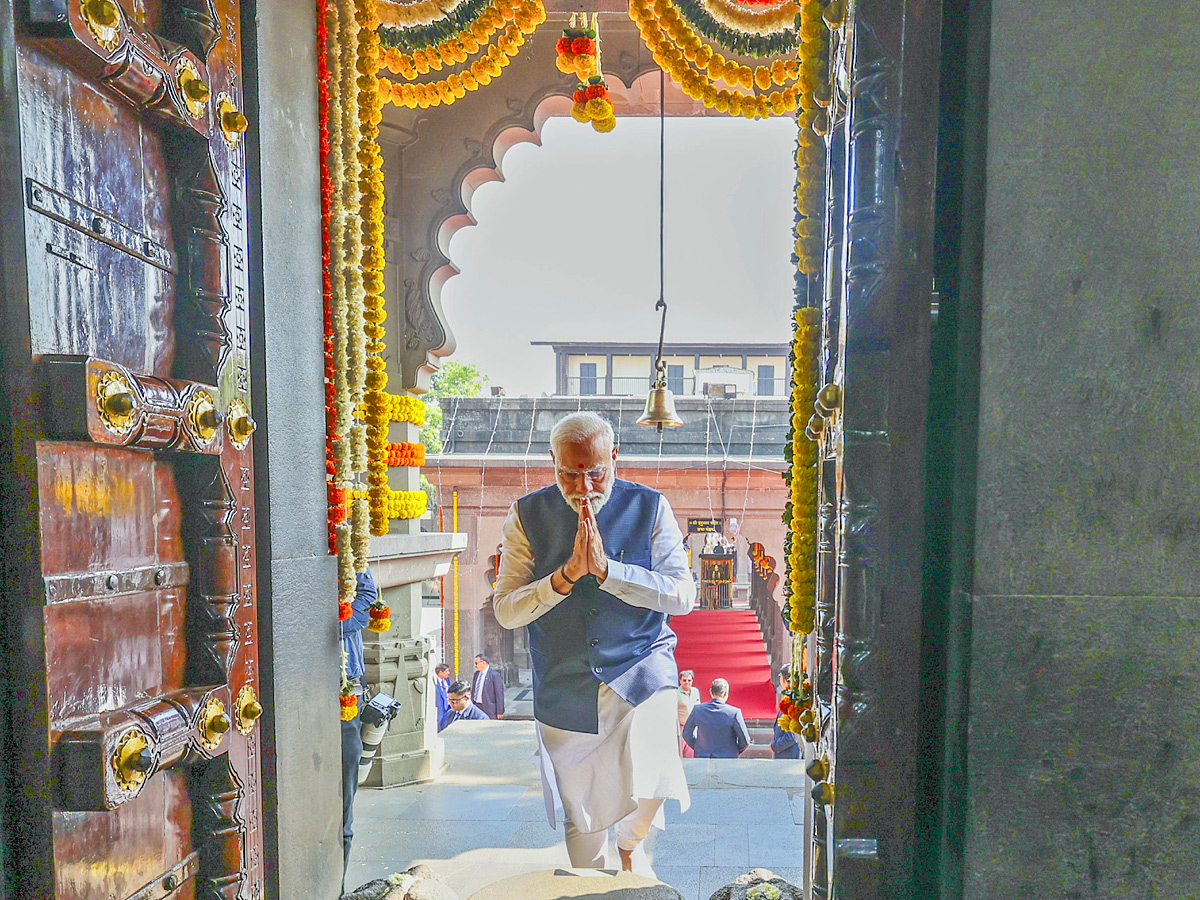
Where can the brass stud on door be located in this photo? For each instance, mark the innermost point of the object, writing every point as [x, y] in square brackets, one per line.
[116, 403]
[241, 426]
[213, 724]
[132, 759]
[102, 18]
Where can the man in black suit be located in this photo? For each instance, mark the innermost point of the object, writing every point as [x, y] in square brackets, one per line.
[488, 688]
[716, 730]
[461, 706]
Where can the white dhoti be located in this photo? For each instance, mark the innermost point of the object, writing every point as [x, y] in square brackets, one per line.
[600, 779]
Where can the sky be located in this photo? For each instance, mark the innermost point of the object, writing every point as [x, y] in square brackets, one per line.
[566, 246]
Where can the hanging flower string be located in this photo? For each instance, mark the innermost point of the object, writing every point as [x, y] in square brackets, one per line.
[800, 511]
[578, 48]
[688, 60]
[490, 63]
[379, 616]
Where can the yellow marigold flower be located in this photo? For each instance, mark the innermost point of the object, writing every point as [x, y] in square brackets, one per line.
[709, 95]
[470, 45]
[604, 125]
[762, 77]
[468, 81]
[721, 104]
[746, 77]
[735, 104]
[597, 108]
[579, 112]
[812, 31]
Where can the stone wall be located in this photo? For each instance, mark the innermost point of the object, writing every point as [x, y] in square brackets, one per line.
[1083, 745]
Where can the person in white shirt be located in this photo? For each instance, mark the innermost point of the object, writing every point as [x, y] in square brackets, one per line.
[688, 696]
[594, 566]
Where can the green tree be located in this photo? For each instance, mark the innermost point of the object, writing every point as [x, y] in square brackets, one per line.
[453, 379]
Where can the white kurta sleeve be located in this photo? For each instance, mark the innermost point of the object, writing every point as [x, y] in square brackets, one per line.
[518, 599]
[665, 587]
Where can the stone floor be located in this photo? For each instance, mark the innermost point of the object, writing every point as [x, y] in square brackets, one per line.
[484, 819]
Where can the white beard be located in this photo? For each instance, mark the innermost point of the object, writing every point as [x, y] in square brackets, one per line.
[596, 499]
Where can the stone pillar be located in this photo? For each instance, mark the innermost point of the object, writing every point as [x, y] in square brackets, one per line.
[399, 661]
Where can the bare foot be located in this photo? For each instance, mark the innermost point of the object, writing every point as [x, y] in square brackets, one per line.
[626, 860]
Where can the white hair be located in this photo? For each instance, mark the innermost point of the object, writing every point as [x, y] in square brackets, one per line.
[720, 688]
[580, 427]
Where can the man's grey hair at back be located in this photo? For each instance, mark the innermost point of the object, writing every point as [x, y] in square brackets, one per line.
[720, 688]
[579, 427]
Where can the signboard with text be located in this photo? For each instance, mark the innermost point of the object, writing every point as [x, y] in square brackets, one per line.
[704, 526]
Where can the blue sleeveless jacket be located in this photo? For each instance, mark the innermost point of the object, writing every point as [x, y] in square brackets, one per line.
[591, 636]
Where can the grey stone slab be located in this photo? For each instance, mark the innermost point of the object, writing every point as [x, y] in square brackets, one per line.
[539, 836]
[473, 802]
[684, 845]
[685, 879]
[775, 846]
[736, 806]
[382, 848]
[558, 884]
[714, 877]
[696, 770]
[384, 803]
[767, 773]
[1084, 719]
[532, 809]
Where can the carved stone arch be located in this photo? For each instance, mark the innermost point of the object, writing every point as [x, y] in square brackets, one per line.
[435, 159]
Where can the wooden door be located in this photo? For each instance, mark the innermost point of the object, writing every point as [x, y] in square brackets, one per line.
[129, 533]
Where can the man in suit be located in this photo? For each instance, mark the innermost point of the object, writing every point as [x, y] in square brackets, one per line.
[784, 744]
[594, 566]
[442, 682]
[716, 730]
[461, 706]
[487, 688]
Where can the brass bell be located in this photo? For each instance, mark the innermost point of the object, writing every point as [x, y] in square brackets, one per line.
[660, 404]
[818, 770]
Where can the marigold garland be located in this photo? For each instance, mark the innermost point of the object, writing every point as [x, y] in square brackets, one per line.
[395, 14]
[404, 504]
[695, 82]
[402, 408]
[406, 454]
[736, 19]
[591, 104]
[800, 512]
[348, 700]
[578, 49]
[409, 54]
[491, 62]
[810, 142]
[379, 617]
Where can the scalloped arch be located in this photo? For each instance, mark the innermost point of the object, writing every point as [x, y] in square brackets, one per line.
[637, 96]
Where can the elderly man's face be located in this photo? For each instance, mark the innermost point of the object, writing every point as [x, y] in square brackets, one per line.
[685, 681]
[585, 469]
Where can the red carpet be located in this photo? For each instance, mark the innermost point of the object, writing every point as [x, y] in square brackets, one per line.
[727, 644]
